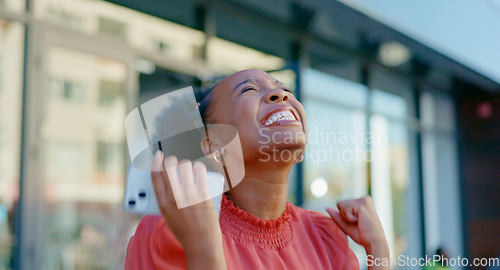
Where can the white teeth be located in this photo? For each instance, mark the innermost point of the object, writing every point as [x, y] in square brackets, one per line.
[276, 117]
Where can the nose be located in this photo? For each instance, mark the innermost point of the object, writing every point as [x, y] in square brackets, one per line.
[276, 95]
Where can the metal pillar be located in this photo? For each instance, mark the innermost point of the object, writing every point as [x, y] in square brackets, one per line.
[419, 70]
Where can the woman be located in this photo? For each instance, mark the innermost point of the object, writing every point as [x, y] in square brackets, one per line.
[257, 227]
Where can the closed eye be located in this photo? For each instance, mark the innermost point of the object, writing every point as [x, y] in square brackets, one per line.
[248, 88]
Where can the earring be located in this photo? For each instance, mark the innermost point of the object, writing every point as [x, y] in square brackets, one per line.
[221, 152]
[215, 157]
[300, 159]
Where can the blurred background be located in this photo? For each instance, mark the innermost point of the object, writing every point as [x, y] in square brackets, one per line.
[403, 97]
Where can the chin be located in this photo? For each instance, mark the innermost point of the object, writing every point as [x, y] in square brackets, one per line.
[290, 147]
[281, 152]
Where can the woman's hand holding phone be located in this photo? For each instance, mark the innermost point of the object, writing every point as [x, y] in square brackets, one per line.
[196, 226]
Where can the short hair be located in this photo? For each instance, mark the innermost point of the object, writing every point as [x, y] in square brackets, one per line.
[204, 99]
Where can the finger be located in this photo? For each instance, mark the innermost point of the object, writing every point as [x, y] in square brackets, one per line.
[347, 227]
[156, 163]
[157, 179]
[337, 218]
[187, 183]
[170, 177]
[200, 176]
[347, 212]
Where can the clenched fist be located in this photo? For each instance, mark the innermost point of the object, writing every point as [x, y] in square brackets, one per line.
[358, 219]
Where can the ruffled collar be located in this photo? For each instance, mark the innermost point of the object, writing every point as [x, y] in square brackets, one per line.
[248, 229]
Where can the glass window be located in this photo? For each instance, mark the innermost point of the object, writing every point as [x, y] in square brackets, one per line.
[107, 154]
[390, 179]
[13, 5]
[336, 161]
[320, 85]
[437, 112]
[67, 90]
[11, 70]
[440, 168]
[391, 95]
[181, 45]
[138, 30]
[65, 17]
[390, 164]
[112, 27]
[336, 156]
[83, 161]
[109, 92]
[222, 55]
[389, 104]
[63, 159]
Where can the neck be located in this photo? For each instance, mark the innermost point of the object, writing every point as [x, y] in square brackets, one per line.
[263, 191]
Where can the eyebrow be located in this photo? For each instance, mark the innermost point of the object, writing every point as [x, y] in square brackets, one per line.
[280, 83]
[243, 82]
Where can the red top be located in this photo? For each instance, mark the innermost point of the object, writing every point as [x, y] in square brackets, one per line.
[299, 239]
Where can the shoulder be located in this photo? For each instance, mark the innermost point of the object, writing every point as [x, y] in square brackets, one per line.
[136, 258]
[323, 224]
[154, 245]
[144, 230]
[148, 224]
[152, 229]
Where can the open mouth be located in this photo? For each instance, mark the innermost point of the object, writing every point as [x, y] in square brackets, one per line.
[278, 116]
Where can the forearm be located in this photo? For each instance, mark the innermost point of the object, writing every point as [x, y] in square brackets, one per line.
[205, 256]
[379, 252]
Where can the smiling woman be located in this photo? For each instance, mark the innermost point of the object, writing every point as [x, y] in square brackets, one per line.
[257, 227]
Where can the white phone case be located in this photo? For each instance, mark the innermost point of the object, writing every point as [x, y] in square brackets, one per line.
[140, 195]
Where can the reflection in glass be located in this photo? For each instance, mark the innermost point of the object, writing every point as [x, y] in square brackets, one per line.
[441, 181]
[336, 162]
[390, 175]
[181, 45]
[437, 112]
[138, 30]
[336, 157]
[388, 104]
[11, 65]
[222, 55]
[390, 179]
[83, 156]
[323, 86]
[340, 150]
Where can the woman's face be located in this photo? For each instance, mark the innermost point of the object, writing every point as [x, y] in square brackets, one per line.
[266, 114]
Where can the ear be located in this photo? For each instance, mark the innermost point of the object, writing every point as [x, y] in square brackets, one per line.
[208, 146]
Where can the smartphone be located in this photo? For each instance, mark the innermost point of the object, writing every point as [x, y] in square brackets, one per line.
[140, 195]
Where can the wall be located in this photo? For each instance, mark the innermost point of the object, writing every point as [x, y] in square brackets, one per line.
[479, 137]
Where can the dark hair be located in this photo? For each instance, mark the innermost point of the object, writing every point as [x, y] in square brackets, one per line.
[204, 99]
